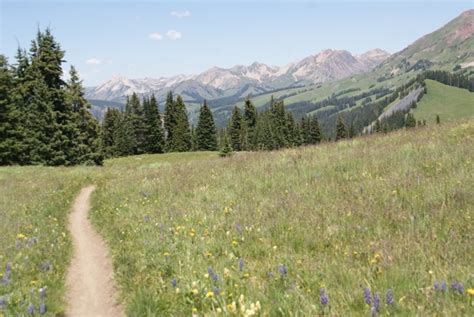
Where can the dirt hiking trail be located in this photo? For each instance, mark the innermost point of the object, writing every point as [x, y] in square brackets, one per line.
[90, 285]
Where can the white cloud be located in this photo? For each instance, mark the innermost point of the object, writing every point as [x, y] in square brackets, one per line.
[173, 35]
[155, 36]
[93, 61]
[181, 14]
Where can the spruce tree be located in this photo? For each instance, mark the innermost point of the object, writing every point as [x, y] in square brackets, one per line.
[235, 130]
[8, 124]
[170, 119]
[410, 121]
[86, 129]
[438, 120]
[154, 136]
[110, 125]
[341, 131]
[180, 134]
[314, 131]
[137, 121]
[250, 120]
[206, 136]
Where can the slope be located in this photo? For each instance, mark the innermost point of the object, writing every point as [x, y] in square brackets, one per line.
[450, 103]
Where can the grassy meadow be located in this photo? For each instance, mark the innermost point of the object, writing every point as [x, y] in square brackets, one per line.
[260, 233]
[450, 103]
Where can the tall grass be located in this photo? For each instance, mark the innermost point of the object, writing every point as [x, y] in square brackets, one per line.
[263, 233]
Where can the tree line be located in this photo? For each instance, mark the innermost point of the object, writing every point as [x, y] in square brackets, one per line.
[44, 119]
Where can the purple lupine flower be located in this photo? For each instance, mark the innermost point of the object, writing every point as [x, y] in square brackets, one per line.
[444, 287]
[436, 286]
[31, 309]
[42, 293]
[323, 297]
[389, 298]
[213, 275]
[367, 296]
[283, 269]
[457, 287]
[216, 291]
[238, 227]
[174, 282]
[241, 264]
[45, 266]
[3, 302]
[42, 309]
[8, 270]
[377, 302]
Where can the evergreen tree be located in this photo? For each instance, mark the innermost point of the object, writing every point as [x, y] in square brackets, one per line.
[235, 130]
[154, 136]
[8, 124]
[250, 120]
[314, 131]
[110, 125]
[410, 121]
[86, 129]
[180, 134]
[170, 119]
[438, 120]
[206, 137]
[341, 131]
[124, 136]
[137, 122]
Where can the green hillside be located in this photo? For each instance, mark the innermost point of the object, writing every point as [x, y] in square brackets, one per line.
[384, 212]
[450, 103]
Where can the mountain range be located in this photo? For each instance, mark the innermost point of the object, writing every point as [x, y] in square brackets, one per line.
[240, 80]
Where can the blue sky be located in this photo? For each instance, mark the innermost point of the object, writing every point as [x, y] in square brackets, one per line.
[163, 38]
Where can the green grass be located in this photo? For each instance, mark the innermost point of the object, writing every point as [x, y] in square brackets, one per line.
[450, 103]
[386, 212]
[34, 204]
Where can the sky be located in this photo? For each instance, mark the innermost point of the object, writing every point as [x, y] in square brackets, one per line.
[145, 38]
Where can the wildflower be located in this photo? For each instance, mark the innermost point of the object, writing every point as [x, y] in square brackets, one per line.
[42, 293]
[194, 291]
[174, 282]
[213, 275]
[21, 236]
[367, 296]
[270, 275]
[436, 286]
[209, 294]
[444, 287]
[457, 287]
[323, 297]
[31, 309]
[389, 298]
[376, 306]
[283, 269]
[470, 291]
[241, 264]
[45, 266]
[216, 291]
[3, 302]
[238, 227]
[232, 307]
[42, 309]
[8, 270]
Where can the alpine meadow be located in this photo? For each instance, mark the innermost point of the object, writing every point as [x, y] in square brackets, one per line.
[338, 184]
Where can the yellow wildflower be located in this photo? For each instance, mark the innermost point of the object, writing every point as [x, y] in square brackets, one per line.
[194, 291]
[209, 294]
[21, 236]
[470, 291]
[232, 307]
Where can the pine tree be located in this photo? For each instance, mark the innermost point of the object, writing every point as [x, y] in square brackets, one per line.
[250, 120]
[154, 136]
[206, 137]
[341, 131]
[410, 121]
[170, 119]
[8, 124]
[314, 131]
[110, 125]
[235, 130]
[86, 130]
[180, 134]
[137, 121]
